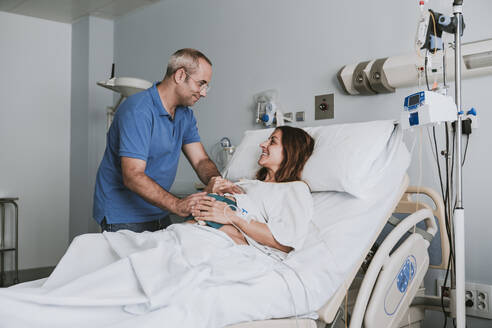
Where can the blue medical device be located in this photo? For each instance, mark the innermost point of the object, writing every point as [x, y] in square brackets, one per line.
[427, 108]
[414, 100]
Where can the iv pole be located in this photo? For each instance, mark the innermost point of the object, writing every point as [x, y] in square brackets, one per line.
[457, 220]
[459, 213]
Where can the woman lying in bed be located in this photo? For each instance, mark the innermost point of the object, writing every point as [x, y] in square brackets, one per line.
[274, 210]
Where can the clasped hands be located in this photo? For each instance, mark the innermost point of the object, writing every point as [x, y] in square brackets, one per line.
[208, 205]
[219, 185]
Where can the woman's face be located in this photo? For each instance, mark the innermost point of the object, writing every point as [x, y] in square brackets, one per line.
[272, 151]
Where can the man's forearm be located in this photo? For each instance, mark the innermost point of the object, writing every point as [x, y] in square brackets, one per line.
[152, 192]
[206, 169]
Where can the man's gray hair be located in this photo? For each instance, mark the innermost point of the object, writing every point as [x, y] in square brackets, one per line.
[186, 58]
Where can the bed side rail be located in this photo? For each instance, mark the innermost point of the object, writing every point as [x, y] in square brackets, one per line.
[382, 257]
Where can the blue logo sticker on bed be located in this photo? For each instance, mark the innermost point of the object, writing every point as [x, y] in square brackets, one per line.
[405, 275]
[400, 284]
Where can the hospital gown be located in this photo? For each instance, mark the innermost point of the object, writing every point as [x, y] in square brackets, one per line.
[286, 208]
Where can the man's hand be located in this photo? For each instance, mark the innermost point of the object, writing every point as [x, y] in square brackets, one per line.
[184, 206]
[219, 185]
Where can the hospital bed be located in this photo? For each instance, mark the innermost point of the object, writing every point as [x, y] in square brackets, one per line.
[364, 291]
[355, 190]
[382, 283]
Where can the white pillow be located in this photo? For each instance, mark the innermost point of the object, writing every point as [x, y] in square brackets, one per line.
[342, 158]
[244, 162]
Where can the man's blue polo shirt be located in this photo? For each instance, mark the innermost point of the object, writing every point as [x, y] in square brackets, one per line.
[143, 129]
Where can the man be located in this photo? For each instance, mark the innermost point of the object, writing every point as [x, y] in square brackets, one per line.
[143, 146]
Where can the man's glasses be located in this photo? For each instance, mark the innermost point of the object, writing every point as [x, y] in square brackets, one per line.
[204, 86]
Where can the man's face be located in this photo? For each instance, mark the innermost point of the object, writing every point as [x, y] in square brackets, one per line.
[196, 84]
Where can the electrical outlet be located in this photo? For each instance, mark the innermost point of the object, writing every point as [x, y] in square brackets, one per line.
[477, 298]
[300, 116]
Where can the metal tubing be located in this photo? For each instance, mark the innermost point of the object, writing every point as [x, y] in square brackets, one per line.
[457, 91]
[449, 206]
[459, 214]
[429, 301]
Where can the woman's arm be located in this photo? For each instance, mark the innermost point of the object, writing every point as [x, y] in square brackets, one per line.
[209, 209]
[234, 233]
[260, 232]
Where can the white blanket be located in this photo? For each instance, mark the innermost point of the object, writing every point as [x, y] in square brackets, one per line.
[184, 276]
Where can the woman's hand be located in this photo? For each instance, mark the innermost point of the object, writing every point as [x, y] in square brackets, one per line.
[219, 185]
[209, 209]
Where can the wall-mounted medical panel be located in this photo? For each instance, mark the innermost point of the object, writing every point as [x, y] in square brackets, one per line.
[386, 74]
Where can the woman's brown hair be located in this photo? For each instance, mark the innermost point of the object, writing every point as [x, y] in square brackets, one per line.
[297, 146]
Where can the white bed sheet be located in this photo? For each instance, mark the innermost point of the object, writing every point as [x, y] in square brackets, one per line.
[344, 225]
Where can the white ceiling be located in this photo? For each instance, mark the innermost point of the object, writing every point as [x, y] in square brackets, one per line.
[68, 11]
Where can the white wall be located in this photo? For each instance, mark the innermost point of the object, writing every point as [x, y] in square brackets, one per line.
[298, 47]
[35, 133]
[92, 51]
[79, 143]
